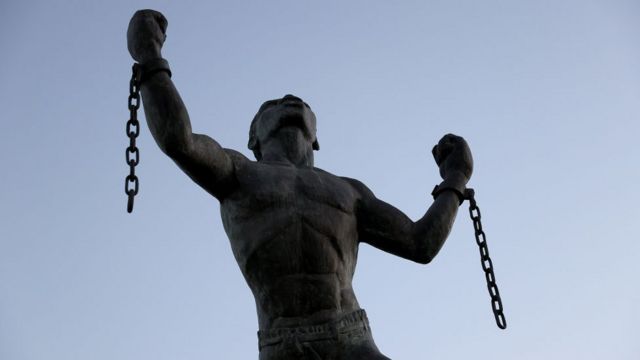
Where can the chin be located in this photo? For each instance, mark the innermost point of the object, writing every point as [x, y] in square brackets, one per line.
[295, 120]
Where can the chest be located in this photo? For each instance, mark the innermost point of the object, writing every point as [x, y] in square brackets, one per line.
[296, 218]
[265, 187]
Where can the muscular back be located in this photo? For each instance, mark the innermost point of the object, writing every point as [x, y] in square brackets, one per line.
[293, 232]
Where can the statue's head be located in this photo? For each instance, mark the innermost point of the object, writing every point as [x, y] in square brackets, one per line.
[290, 114]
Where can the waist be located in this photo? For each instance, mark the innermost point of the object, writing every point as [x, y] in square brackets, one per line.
[345, 325]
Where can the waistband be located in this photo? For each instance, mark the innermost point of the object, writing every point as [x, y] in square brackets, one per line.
[346, 324]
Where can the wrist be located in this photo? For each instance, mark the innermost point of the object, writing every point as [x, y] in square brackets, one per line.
[456, 178]
[145, 55]
[149, 49]
[150, 67]
[455, 183]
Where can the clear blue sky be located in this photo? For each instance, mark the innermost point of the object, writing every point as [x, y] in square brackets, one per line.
[546, 92]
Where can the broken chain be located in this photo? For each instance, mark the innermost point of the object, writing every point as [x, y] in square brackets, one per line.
[132, 153]
[487, 264]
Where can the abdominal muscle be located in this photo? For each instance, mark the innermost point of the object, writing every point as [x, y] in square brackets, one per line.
[298, 278]
[302, 299]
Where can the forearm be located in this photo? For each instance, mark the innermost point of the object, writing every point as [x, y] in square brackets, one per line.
[166, 114]
[431, 231]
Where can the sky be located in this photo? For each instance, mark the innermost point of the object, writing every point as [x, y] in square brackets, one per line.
[545, 92]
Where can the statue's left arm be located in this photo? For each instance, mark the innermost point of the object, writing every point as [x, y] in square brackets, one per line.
[387, 228]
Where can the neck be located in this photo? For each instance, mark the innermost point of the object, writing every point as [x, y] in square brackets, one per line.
[295, 151]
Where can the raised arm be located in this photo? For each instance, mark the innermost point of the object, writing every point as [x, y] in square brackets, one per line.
[388, 229]
[199, 156]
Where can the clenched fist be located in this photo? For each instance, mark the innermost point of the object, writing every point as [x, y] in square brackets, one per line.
[453, 156]
[146, 34]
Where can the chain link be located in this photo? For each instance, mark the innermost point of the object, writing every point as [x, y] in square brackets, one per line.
[132, 154]
[485, 260]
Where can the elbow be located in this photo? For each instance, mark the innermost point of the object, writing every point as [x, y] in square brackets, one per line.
[171, 151]
[174, 149]
[421, 252]
[424, 250]
[423, 259]
[422, 255]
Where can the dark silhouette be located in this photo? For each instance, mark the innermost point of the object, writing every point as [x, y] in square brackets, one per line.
[294, 228]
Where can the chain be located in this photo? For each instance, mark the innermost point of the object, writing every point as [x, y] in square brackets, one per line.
[131, 184]
[487, 264]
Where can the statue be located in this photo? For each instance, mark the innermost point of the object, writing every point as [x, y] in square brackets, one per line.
[294, 228]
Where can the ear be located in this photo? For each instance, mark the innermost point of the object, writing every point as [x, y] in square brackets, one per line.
[316, 145]
[255, 146]
[253, 142]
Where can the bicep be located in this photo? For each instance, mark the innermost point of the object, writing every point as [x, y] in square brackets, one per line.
[384, 226]
[208, 164]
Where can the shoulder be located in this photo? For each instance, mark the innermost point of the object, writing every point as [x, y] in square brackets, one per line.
[237, 157]
[354, 184]
[359, 187]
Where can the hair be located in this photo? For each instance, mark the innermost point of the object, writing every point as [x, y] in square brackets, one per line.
[254, 144]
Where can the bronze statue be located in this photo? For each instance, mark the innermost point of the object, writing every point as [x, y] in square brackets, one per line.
[294, 228]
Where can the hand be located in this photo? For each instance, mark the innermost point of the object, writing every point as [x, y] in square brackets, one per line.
[146, 34]
[453, 156]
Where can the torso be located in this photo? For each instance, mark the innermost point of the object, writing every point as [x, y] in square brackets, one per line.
[293, 232]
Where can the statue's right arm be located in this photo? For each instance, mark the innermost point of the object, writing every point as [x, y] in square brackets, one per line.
[201, 157]
[387, 228]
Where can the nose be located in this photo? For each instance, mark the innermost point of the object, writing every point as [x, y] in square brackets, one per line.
[290, 97]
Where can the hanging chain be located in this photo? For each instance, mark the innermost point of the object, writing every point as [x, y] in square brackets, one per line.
[131, 184]
[487, 264]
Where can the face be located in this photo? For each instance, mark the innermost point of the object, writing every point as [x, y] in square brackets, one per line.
[289, 115]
